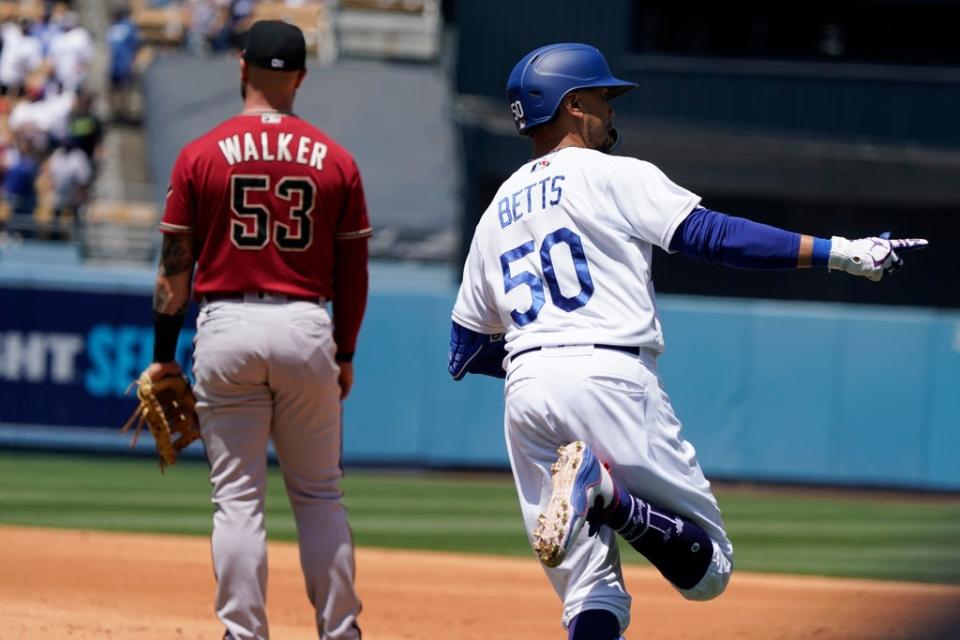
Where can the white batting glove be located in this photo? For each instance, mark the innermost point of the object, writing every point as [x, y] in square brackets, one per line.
[870, 257]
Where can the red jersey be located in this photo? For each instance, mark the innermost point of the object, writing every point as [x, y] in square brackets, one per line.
[266, 196]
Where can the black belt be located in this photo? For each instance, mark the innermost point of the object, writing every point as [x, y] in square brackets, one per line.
[214, 297]
[612, 347]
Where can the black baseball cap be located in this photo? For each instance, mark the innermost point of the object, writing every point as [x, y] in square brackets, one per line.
[276, 45]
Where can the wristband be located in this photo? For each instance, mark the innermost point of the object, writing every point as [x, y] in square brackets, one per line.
[821, 252]
[166, 331]
[344, 356]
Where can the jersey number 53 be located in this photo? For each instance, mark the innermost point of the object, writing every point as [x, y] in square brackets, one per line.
[252, 229]
[563, 235]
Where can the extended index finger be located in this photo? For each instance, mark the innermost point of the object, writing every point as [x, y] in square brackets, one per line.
[904, 244]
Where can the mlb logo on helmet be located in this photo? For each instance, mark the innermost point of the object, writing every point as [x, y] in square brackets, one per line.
[276, 63]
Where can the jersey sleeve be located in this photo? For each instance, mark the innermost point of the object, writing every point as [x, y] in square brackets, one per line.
[353, 221]
[180, 211]
[476, 308]
[350, 284]
[650, 205]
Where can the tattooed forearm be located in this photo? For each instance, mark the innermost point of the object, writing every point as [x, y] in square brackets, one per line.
[161, 297]
[172, 292]
[163, 300]
[176, 255]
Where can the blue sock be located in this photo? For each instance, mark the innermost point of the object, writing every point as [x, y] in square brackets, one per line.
[680, 549]
[594, 624]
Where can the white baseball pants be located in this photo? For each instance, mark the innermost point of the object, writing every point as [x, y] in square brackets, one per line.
[265, 369]
[613, 401]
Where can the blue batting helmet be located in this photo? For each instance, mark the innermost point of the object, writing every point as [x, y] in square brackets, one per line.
[539, 81]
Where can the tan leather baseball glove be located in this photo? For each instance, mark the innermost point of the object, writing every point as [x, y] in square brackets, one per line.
[167, 406]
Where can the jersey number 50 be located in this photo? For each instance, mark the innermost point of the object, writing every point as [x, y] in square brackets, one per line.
[252, 230]
[562, 235]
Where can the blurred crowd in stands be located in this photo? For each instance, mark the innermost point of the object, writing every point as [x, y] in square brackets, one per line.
[50, 132]
[50, 135]
[211, 26]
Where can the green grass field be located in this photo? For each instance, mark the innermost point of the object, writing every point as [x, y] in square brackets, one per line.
[864, 535]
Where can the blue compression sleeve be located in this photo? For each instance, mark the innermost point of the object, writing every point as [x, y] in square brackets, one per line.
[472, 352]
[821, 252]
[712, 236]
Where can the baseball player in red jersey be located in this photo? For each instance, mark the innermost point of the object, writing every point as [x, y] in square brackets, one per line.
[273, 213]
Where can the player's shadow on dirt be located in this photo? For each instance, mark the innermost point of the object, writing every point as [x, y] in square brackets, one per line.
[943, 627]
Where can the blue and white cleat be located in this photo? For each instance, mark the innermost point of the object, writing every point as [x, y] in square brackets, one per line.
[578, 480]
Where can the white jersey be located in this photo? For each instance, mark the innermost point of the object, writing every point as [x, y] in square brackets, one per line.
[21, 56]
[562, 256]
[72, 52]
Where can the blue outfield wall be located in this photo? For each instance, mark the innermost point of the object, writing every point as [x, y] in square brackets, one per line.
[766, 390]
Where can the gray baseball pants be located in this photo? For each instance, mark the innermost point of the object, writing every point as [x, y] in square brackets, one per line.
[265, 369]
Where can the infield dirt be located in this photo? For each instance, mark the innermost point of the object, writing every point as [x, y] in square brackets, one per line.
[84, 584]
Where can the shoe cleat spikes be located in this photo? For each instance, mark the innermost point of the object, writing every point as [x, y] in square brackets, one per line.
[576, 478]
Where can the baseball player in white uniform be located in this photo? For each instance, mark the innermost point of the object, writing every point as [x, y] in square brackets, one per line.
[557, 297]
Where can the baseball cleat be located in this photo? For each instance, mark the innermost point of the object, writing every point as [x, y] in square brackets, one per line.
[578, 480]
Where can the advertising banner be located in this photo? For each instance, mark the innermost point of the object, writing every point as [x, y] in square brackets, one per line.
[68, 357]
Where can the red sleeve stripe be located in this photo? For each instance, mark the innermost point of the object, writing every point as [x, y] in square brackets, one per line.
[350, 235]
